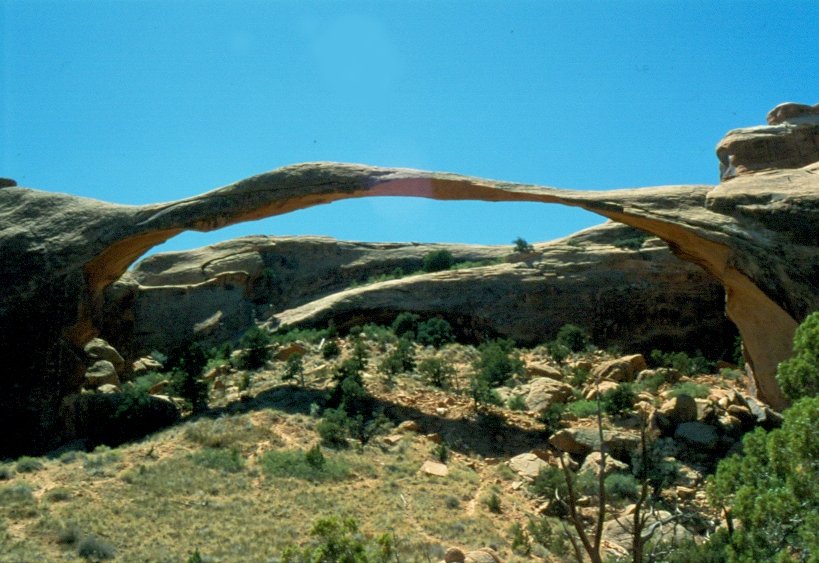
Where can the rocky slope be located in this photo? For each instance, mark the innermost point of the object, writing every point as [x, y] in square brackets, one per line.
[756, 233]
[624, 288]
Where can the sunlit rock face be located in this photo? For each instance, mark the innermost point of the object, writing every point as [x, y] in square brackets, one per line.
[624, 287]
[756, 233]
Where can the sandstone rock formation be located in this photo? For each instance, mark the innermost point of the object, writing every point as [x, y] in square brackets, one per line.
[625, 288]
[756, 233]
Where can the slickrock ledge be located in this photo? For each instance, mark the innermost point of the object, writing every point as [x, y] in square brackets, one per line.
[756, 233]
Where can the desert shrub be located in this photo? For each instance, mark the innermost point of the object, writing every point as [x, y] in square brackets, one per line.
[189, 386]
[436, 371]
[338, 540]
[558, 352]
[621, 486]
[434, 332]
[547, 481]
[582, 408]
[518, 540]
[799, 376]
[682, 362]
[69, 535]
[311, 465]
[286, 335]
[521, 246]
[438, 260]
[548, 532]
[493, 503]
[215, 433]
[330, 349]
[294, 369]
[441, 452]
[6, 472]
[95, 547]
[696, 390]
[332, 428]
[577, 376]
[714, 550]
[516, 403]
[400, 360]
[618, 400]
[147, 380]
[771, 488]
[482, 394]
[551, 417]
[405, 324]
[498, 363]
[731, 374]
[572, 337]
[27, 464]
[223, 459]
[58, 494]
[651, 384]
[255, 344]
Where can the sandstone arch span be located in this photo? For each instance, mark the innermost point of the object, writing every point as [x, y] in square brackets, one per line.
[60, 252]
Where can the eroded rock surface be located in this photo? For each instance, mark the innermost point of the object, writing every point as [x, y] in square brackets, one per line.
[624, 287]
[756, 233]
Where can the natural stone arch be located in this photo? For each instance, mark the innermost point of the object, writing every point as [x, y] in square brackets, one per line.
[78, 247]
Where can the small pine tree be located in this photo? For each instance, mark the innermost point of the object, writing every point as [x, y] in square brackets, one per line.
[438, 260]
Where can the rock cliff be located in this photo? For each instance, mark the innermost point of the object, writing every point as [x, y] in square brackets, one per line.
[624, 287]
[756, 233]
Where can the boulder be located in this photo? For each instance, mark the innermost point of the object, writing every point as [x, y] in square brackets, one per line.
[100, 373]
[697, 435]
[620, 530]
[285, 352]
[527, 465]
[595, 389]
[583, 441]
[620, 369]
[483, 555]
[544, 392]
[144, 365]
[592, 463]
[434, 468]
[99, 349]
[539, 369]
[793, 113]
[454, 555]
[679, 409]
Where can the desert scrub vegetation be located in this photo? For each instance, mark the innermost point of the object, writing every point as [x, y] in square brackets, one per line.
[306, 465]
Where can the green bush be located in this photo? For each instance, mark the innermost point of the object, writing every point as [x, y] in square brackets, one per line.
[493, 503]
[434, 332]
[294, 369]
[621, 486]
[330, 350]
[516, 403]
[558, 352]
[681, 362]
[498, 363]
[189, 386]
[438, 260]
[552, 416]
[696, 390]
[400, 360]
[436, 371]
[27, 464]
[96, 548]
[518, 540]
[338, 540]
[573, 337]
[332, 428]
[405, 324]
[482, 394]
[547, 481]
[582, 408]
[255, 343]
[618, 400]
[799, 376]
[521, 246]
[307, 466]
[223, 459]
[772, 489]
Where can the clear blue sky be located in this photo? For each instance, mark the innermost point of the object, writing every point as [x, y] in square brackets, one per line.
[138, 102]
